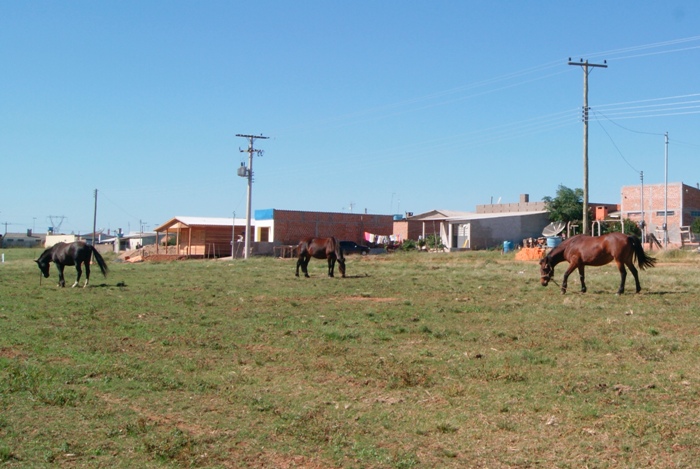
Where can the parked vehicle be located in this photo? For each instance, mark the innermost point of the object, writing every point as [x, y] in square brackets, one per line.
[351, 247]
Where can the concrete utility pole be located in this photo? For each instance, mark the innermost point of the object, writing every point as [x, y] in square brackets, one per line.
[666, 191]
[94, 223]
[248, 173]
[585, 66]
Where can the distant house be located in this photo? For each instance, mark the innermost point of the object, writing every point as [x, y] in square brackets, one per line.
[200, 236]
[489, 227]
[675, 204]
[122, 242]
[289, 226]
[53, 239]
[22, 240]
[463, 230]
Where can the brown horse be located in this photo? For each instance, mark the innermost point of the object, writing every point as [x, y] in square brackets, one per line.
[582, 250]
[76, 253]
[320, 248]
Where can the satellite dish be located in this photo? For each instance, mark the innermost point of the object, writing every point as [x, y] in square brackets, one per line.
[553, 229]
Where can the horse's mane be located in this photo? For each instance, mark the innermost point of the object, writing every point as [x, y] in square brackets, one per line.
[47, 252]
[556, 255]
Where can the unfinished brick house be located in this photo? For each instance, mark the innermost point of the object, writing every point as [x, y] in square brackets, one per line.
[676, 204]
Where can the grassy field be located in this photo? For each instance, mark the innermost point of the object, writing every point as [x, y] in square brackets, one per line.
[415, 360]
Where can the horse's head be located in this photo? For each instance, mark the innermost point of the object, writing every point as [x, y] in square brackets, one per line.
[341, 266]
[43, 266]
[546, 271]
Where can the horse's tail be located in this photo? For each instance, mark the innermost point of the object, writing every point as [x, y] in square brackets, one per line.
[643, 259]
[100, 261]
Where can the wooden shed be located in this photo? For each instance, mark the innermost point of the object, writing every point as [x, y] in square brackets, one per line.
[200, 236]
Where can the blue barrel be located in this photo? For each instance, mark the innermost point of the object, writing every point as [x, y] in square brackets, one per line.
[507, 246]
[553, 241]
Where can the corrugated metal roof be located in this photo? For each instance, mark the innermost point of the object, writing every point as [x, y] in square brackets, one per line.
[485, 216]
[452, 215]
[438, 214]
[181, 221]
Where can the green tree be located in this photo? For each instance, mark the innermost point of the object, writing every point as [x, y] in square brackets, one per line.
[630, 227]
[695, 226]
[566, 206]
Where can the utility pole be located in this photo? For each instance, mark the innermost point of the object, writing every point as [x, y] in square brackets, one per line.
[644, 223]
[666, 191]
[585, 66]
[247, 172]
[94, 221]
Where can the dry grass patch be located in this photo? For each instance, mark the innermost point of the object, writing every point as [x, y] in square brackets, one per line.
[414, 360]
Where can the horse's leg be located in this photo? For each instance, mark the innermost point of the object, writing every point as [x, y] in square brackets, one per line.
[564, 282]
[87, 273]
[298, 265]
[331, 265]
[623, 276]
[582, 276]
[635, 273]
[305, 266]
[80, 272]
[61, 280]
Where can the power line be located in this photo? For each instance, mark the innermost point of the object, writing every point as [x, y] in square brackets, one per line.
[622, 126]
[618, 149]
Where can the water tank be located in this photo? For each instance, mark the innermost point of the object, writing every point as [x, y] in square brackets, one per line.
[553, 241]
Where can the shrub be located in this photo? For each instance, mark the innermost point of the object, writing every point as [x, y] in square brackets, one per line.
[408, 245]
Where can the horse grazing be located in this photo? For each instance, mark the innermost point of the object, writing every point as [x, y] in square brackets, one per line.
[320, 248]
[63, 254]
[582, 250]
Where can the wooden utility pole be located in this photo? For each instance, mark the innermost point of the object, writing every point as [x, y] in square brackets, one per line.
[248, 173]
[585, 65]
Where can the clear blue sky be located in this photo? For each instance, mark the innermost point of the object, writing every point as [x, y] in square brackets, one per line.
[384, 106]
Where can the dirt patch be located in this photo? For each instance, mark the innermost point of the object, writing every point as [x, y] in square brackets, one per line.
[149, 253]
[6, 352]
[372, 299]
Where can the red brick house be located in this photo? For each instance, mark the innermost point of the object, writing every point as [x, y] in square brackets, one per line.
[675, 204]
[289, 226]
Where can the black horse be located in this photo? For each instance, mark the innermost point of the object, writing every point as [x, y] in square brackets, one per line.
[63, 254]
[320, 248]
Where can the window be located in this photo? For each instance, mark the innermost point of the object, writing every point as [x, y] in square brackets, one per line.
[669, 213]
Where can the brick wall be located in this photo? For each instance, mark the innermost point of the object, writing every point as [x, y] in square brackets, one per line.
[291, 226]
[508, 208]
[681, 200]
[408, 229]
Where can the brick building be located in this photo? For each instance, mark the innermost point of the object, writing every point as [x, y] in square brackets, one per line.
[289, 226]
[676, 203]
